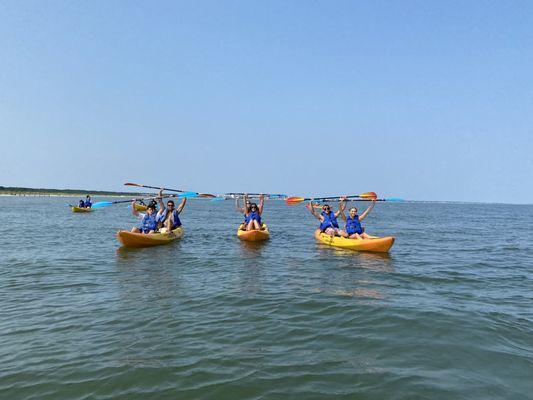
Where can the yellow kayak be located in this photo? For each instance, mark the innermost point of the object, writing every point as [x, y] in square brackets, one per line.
[137, 240]
[255, 235]
[80, 209]
[140, 207]
[376, 244]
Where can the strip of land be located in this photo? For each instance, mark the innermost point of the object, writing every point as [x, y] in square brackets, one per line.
[21, 191]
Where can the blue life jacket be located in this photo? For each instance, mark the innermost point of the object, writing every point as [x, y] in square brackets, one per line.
[353, 225]
[81, 204]
[175, 218]
[330, 221]
[148, 223]
[87, 203]
[250, 217]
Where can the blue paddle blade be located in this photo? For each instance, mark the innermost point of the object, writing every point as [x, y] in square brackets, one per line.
[393, 199]
[101, 204]
[187, 195]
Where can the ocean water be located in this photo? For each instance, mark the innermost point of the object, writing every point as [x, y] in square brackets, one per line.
[448, 314]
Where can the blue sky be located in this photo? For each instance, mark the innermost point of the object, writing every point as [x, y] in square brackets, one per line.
[414, 99]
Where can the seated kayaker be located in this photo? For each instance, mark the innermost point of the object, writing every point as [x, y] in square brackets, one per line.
[169, 215]
[328, 219]
[353, 222]
[87, 203]
[252, 215]
[81, 204]
[150, 220]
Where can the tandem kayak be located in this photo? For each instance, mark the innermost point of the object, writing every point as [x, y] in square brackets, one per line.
[137, 240]
[376, 244]
[255, 235]
[80, 209]
[140, 207]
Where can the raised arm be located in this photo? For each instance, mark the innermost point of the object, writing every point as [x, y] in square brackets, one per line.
[261, 203]
[312, 209]
[238, 208]
[182, 205]
[342, 207]
[367, 211]
[159, 199]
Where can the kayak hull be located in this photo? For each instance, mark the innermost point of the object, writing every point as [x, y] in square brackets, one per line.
[140, 240]
[255, 235]
[81, 209]
[376, 244]
[140, 207]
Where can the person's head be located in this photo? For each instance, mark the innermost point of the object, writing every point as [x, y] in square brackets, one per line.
[88, 197]
[81, 202]
[150, 209]
[247, 204]
[153, 203]
[326, 208]
[253, 207]
[353, 212]
[170, 205]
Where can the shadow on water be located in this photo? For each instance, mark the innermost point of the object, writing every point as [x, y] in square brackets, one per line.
[378, 262]
[253, 249]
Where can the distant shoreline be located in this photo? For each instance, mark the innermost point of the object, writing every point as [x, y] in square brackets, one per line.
[42, 192]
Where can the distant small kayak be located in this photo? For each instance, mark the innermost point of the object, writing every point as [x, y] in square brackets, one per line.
[80, 209]
[138, 240]
[140, 207]
[376, 244]
[254, 235]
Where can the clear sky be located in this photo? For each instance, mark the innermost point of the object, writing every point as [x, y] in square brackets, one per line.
[426, 100]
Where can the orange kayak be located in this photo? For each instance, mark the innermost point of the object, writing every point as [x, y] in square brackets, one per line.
[140, 207]
[137, 240]
[376, 244]
[81, 209]
[255, 235]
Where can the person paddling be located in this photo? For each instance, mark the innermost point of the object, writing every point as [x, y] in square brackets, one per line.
[150, 220]
[328, 218]
[353, 222]
[169, 215]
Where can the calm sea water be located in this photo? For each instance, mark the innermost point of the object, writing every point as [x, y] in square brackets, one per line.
[447, 315]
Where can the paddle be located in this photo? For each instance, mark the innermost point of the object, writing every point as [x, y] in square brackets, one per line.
[388, 199]
[291, 201]
[184, 195]
[169, 190]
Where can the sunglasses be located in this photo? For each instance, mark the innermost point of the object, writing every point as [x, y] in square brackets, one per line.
[170, 205]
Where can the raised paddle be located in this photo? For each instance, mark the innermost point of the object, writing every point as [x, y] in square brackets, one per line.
[184, 195]
[291, 201]
[169, 190]
[387, 199]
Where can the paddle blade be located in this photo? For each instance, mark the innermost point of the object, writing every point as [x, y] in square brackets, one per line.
[187, 195]
[368, 195]
[291, 201]
[207, 195]
[132, 184]
[393, 199]
[101, 204]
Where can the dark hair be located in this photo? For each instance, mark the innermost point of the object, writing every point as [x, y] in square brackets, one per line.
[253, 205]
[152, 206]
